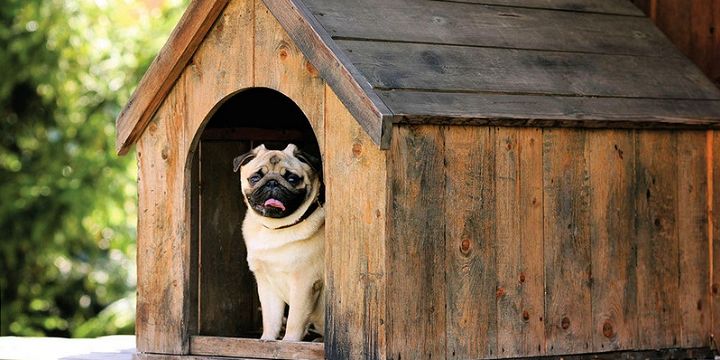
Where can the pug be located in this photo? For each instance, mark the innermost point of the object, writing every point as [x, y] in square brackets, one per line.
[284, 231]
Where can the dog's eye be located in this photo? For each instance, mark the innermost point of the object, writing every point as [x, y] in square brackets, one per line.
[293, 179]
[254, 179]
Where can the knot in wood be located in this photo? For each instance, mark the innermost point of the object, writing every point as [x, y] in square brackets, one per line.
[522, 277]
[715, 289]
[607, 329]
[500, 292]
[526, 315]
[357, 149]
[565, 323]
[465, 246]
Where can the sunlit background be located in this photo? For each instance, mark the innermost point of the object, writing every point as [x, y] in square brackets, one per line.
[67, 202]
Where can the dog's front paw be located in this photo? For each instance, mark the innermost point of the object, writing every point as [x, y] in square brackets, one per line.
[268, 337]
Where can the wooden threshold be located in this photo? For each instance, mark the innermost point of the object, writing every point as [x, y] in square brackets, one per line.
[255, 348]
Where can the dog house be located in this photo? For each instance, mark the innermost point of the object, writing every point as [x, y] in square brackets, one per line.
[504, 179]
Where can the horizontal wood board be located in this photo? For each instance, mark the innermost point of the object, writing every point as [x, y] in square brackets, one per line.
[418, 107]
[618, 7]
[610, 250]
[253, 348]
[444, 68]
[475, 25]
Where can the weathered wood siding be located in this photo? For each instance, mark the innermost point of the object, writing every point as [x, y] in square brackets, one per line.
[168, 301]
[693, 26]
[355, 247]
[553, 241]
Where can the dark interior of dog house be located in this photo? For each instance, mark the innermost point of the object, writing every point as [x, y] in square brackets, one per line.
[225, 297]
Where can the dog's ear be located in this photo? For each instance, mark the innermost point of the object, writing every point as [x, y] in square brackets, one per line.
[243, 159]
[309, 159]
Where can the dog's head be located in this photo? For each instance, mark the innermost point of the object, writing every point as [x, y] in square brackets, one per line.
[276, 183]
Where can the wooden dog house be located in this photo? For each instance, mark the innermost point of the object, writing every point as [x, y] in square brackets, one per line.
[504, 178]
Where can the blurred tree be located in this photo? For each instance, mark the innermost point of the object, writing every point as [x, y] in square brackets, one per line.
[67, 203]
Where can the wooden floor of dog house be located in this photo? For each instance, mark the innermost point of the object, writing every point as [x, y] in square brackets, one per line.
[255, 348]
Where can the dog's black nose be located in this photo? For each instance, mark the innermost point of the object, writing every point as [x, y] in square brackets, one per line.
[271, 184]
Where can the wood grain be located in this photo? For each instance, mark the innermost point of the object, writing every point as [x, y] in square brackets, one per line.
[611, 161]
[693, 27]
[333, 66]
[419, 107]
[470, 244]
[713, 151]
[415, 251]
[446, 68]
[163, 260]
[620, 7]
[567, 242]
[252, 348]
[165, 70]
[458, 23]
[692, 222]
[355, 238]
[657, 236]
[519, 236]
[227, 296]
[280, 65]
[211, 79]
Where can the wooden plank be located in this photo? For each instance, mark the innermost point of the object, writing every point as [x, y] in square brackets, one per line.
[520, 266]
[459, 23]
[673, 17]
[355, 269]
[619, 7]
[692, 223]
[415, 260]
[713, 158]
[280, 65]
[611, 163]
[657, 236]
[549, 111]
[333, 66]
[568, 312]
[471, 279]
[163, 259]
[266, 349]
[468, 69]
[227, 294]
[165, 70]
[211, 78]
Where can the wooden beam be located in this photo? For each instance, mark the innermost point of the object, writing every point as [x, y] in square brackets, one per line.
[254, 348]
[165, 70]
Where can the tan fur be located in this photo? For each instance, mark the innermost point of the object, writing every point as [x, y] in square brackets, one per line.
[288, 263]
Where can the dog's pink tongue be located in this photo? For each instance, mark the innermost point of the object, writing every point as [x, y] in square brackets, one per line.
[275, 203]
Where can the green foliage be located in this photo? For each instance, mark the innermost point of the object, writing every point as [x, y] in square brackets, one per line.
[67, 202]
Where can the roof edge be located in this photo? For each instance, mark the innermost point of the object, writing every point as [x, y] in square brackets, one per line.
[164, 71]
[352, 88]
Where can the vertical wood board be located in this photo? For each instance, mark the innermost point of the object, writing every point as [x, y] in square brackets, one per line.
[611, 160]
[222, 64]
[567, 242]
[657, 236]
[227, 295]
[519, 236]
[280, 65]
[692, 222]
[415, 248]
[355, 238]
[163, 307]
[470, 244]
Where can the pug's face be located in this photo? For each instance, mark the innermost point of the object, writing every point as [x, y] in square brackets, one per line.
[276, 183]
